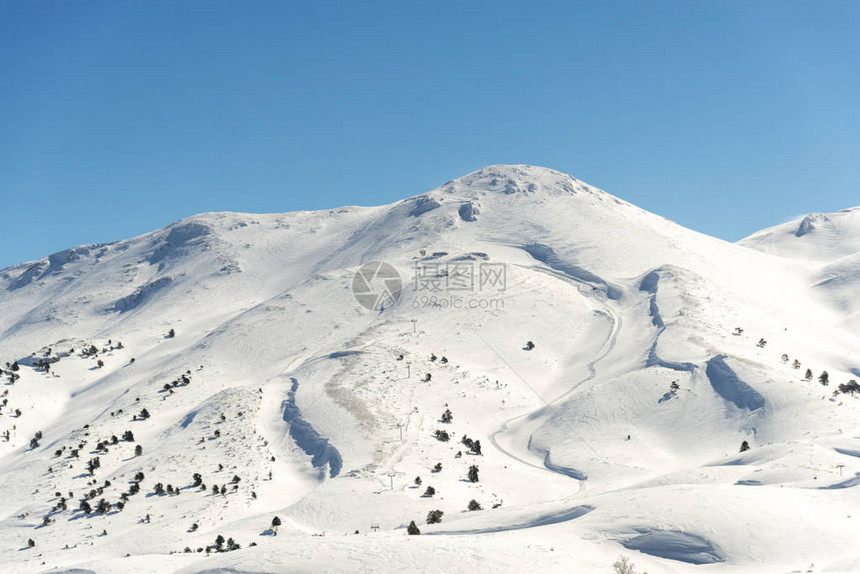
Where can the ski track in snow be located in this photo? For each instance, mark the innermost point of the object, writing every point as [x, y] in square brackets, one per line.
[606, 348]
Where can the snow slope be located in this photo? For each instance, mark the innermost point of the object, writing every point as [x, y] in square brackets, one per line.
[323, 411]
[829, 244]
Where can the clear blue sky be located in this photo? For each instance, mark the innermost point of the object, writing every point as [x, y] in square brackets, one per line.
[119, 117]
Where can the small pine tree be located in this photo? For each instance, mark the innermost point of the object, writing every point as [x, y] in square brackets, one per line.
[784, 358]
[808, 375]
[434, 516]
[447, 416]
[138, 450]
[745, 446]
[824, 378]
[417, 481]
[429, 492]
[473, 473]
[412, 529]
[850, 387]
[623, 566]
[530, 345]
[276, 521]
[474, 505]
[437, 467]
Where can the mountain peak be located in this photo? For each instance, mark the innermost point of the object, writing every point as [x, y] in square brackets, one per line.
[819, 237]
[517, 179]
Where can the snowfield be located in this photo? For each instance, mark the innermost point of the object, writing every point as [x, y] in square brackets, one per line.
[656, 353]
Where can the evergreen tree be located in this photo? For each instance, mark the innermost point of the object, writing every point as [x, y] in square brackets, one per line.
[808, 375]
[824, 378]
[473, 473]
[429, 492]
[850, 387]
[434, 516]
[745, 446]
[442, 436]
[474, 505]
[412, 529]
[138, 450]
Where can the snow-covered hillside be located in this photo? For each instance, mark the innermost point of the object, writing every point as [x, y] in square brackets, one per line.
[829, 244]
[605, 365]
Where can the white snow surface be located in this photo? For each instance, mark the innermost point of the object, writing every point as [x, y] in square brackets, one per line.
[289, 375]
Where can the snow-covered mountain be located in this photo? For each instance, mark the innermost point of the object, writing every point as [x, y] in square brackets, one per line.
[306, 381]
[829, 244]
